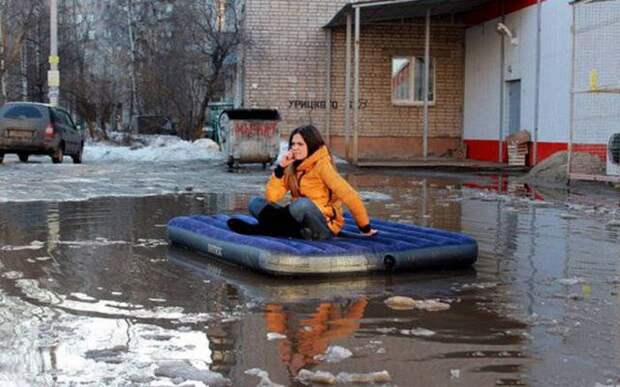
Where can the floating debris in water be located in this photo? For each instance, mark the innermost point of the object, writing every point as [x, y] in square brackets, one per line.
[455, 374]
[570, 281]
[381, 377]
[151, 243]
[264, 377]
[323, 377]
[182, 371]
[407, 303]
[320, 377]
[421, 332]
[34, 245]
[481, 285]
[82, 297]
[13, 275]
[334, 354]
[275, 336]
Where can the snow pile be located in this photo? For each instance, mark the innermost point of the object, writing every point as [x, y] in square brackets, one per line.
[153, 148]
[553, 169]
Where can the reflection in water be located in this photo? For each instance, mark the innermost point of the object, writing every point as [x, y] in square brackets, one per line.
[91, 293]
[306, 339]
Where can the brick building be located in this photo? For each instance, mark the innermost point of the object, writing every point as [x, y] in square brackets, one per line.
[485, 82]
[297, 61]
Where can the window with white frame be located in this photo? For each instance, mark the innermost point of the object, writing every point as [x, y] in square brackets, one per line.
[408, 80]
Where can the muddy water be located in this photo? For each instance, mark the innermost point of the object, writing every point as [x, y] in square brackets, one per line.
[90, 293]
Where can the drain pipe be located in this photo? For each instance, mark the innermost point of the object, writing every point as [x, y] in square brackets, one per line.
[501, 95]
[537, 89]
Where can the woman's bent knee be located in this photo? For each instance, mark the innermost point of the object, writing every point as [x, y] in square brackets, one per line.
[256, 205]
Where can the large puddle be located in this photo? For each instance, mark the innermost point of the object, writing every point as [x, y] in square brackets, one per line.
[90, 293]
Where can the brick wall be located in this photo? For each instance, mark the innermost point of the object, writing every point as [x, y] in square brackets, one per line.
[285, 68]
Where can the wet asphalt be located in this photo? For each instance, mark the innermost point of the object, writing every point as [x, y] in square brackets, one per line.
[91, 293]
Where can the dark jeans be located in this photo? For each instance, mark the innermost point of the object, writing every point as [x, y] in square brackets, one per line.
[306, 213]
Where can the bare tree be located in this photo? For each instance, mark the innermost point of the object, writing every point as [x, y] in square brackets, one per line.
[186, 58]
[17, 19]
[92, 73]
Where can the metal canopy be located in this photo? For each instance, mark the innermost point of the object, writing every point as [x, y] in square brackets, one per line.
[389, 10]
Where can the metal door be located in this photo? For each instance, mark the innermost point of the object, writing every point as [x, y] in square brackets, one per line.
[514, 106]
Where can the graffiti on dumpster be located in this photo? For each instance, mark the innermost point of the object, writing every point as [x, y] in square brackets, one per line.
[251, 129]
[320, 104]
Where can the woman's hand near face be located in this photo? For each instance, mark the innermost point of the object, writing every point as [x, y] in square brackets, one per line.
[287, 159]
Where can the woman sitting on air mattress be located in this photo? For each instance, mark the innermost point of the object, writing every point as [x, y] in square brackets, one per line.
[317, 192]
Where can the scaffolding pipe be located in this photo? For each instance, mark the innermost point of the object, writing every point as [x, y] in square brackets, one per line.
[501, 98]
[356, 86]
[427, 40]
[328, 87]
[537, 89]
[347, 91]
[572, 100]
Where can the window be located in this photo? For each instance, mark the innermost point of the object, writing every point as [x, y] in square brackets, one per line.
[66, 118]
[408, 80]
[21, 112]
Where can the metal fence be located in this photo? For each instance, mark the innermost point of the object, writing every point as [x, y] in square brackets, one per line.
[594, 138]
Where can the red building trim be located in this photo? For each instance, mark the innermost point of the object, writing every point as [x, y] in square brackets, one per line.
[488, 150]
[495, 9]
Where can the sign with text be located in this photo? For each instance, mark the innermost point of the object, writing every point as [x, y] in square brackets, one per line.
[299, 104]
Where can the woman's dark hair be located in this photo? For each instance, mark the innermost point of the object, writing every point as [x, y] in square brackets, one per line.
[311, 135]
[313, 139]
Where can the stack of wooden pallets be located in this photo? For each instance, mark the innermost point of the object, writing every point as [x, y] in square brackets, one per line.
[517, 154]
[518, 148]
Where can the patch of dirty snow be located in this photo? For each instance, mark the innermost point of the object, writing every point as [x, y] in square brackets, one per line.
[34, 245]
[275, 336]
[334, 354]
[264, 378]
[407, 303]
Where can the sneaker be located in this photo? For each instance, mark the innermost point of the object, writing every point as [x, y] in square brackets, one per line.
[306, 233]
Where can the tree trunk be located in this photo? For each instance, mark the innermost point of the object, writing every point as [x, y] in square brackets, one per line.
[91, 129]
[200, 121]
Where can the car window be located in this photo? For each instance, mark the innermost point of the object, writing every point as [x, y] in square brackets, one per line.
[67, 119]
[55, 117]
[60, 117]
[23, 112]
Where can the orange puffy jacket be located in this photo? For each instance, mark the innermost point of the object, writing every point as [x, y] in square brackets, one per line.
[319, 182]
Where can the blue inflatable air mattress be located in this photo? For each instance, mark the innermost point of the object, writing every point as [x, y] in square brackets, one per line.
[397, 247]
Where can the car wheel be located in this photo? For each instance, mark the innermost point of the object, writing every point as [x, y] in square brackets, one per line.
[58, 155]
[1, 157]
[23, 157]
[77, 159]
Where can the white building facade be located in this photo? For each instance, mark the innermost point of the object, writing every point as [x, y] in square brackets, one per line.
[496, 104]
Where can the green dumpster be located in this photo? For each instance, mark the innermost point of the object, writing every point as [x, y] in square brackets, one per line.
[214, 110]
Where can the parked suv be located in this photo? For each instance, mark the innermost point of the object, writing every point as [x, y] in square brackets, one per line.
[29, 128]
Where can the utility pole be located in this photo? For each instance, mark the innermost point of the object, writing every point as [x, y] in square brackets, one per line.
[2, 59]
[53, 75]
